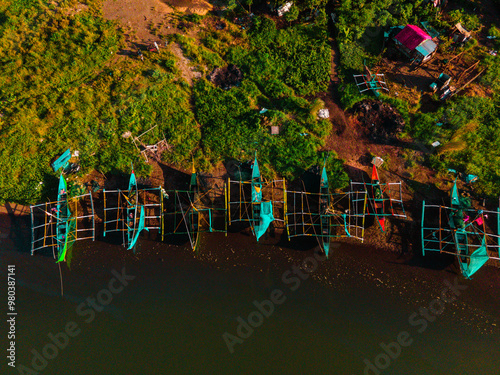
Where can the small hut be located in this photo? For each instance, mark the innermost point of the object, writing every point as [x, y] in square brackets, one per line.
[415, 43]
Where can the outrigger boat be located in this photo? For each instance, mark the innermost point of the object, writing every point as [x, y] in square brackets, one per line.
[378, 199]
[456, 222]
[63, 215]
[133, 223]
[385, 199]
[462, 225]
[462, 231]
[324, 204]
[194, 214]
[262, 212]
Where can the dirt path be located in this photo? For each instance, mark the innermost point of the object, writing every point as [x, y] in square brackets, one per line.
[186, 70]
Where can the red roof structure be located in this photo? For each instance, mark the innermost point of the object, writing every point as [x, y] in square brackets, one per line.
[411, 37]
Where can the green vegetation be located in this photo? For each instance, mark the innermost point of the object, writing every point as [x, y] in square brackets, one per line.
[62, 84]
[60, 89]
[466, 127]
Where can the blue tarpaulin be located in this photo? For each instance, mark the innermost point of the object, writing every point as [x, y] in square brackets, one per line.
[62, 161]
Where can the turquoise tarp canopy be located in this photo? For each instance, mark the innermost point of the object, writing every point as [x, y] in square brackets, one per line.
[266, 217]
[455, 198]
[255, 169]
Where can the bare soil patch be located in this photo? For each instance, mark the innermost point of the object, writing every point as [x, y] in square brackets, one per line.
[137, 16]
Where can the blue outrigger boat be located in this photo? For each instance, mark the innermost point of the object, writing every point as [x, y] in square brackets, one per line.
[134, 223]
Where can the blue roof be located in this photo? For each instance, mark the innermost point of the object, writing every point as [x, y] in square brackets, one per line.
[426, 47]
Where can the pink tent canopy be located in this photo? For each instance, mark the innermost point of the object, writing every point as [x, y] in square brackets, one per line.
[411, 36]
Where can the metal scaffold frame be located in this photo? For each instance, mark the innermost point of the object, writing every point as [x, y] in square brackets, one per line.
[370, 81]
[150, 199]
[439, 236]
[44, 221]
[345, 215]
[241, 207]
[390, 189]
[201, 209]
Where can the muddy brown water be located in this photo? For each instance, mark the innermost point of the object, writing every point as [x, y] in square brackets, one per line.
[179, 312]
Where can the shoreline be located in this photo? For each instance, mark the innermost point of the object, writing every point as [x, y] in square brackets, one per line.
[400, 239]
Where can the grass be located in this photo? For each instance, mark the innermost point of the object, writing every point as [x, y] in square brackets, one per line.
[61, 85]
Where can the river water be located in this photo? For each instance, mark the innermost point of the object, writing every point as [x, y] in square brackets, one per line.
[172, 311]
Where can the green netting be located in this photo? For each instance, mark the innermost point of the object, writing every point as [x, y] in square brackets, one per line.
[476, 261]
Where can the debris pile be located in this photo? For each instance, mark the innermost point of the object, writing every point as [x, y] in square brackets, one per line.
[324, 113]
[285, 8]
[226, 77]
[382, 121]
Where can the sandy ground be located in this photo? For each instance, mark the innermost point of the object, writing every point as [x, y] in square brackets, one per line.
[139, 17]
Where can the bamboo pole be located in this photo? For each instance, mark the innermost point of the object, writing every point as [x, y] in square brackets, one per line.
[422, 227]
[470, 81]
[226, 210]
[228, 199]
[104, 197]
[440, 234]
[32, 232]
[45, 225]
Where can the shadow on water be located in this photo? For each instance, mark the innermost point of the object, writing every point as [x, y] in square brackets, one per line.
[19, 231]
[301, 244]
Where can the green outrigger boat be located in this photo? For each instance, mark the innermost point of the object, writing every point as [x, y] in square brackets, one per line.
[378, 199]
[64, 224]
